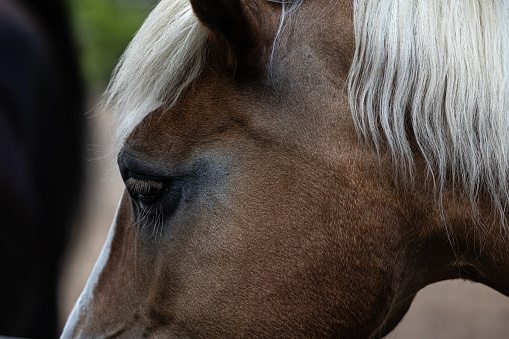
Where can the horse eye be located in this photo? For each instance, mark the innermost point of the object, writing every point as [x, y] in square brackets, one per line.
[146, 191]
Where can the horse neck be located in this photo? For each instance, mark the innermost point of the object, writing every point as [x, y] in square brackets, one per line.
[445, 235]
[449, 237]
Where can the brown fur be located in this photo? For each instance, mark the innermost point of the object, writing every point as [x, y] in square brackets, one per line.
[288, 227]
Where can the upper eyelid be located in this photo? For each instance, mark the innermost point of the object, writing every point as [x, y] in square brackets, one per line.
[134, 166]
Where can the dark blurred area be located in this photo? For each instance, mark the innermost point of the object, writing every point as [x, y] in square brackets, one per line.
[41, 149]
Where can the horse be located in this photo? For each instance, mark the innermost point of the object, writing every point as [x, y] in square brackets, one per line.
[301, 169]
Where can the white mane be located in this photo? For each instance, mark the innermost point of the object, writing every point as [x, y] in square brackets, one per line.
[436, 71]
[166, 55]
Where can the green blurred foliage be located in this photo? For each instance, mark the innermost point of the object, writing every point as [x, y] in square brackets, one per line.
[103, 29]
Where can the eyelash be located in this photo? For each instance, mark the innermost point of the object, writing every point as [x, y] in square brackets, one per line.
[144, 187]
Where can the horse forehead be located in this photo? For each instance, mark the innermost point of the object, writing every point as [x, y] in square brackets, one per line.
[208, 109]
[319, 49]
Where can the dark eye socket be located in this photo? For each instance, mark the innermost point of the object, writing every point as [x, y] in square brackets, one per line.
[153, 189]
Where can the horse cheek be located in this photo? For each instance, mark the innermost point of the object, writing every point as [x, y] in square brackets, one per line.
[106, 305]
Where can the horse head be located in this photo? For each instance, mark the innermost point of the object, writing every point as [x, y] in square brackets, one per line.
[251, 207]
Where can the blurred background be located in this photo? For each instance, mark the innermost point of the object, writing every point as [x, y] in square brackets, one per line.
[101, 31]
[103, 28]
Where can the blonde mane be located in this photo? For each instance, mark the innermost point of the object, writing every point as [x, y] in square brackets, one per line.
[165, 56]
[436, 73]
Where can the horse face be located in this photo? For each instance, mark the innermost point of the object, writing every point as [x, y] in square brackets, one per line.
[243, 216]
